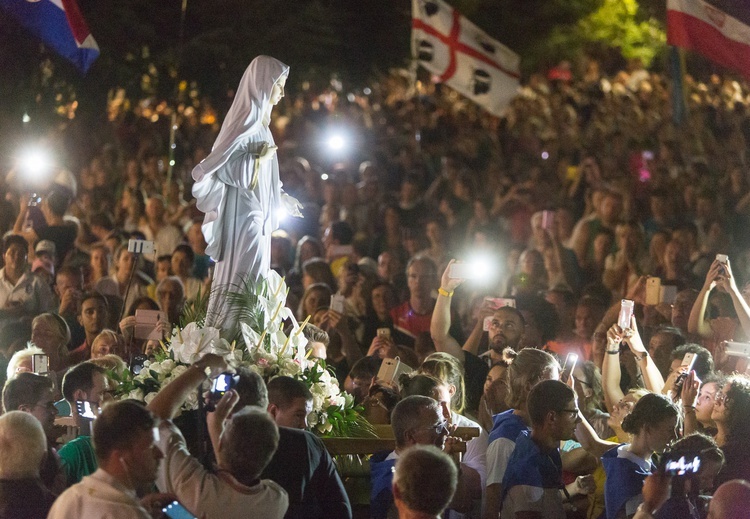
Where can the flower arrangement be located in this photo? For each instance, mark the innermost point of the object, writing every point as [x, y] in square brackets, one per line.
[260, 344]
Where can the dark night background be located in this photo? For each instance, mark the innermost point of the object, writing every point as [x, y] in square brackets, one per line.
[355, 40]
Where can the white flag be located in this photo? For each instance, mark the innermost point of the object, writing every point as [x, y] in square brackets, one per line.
[462, 56]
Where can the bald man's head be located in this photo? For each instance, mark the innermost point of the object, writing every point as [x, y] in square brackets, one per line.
[731, 501]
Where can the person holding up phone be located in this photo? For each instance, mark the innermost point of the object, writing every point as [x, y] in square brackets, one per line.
[505, 331]
[721, 327]
[244, 443]
[84, 388]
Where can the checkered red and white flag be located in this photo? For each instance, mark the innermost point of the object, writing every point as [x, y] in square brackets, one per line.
[462, 56]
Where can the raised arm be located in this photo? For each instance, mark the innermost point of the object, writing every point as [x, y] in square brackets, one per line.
[727, 282]
[441, 317]
[697, 322]
[169, 400]
[590, 441]
[690, 388]
[611, 368]
[651, 375]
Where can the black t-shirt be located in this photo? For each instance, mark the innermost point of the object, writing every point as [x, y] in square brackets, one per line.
[303, 467]
[475, 374]
[63, 236]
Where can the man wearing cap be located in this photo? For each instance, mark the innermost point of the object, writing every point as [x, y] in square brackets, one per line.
[44, 261]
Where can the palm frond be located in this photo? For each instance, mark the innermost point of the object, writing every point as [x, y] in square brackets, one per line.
[243, 305]
[195, 310]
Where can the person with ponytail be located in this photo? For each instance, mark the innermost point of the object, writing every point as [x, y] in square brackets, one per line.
[652, 425]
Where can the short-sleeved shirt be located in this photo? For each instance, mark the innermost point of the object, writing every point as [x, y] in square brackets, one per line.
[32, 294]
[506, 427]
[626, 473]
[409, 322]
[78, 459]
[206, 494]
[532, 481]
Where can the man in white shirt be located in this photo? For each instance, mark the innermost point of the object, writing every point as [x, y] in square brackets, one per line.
[22, 294]
[125, 445]
[244, 444]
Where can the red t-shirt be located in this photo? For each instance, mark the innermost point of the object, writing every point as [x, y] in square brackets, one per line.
[407, 321]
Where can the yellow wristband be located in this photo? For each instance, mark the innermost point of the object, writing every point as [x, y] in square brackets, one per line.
[444, 292]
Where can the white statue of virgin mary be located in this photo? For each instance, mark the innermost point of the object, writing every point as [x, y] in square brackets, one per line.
[238, 188]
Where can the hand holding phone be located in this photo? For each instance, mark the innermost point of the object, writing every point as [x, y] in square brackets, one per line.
[653, 291]
[146, 324]
[175, 510]
[570, 364]
[338, 303]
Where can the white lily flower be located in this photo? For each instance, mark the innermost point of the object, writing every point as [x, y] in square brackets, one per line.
[251, 336]
[192, 342]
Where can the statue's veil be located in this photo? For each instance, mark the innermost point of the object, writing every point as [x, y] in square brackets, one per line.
[251, 104]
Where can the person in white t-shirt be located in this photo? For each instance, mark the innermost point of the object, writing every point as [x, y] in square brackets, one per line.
[244, 444]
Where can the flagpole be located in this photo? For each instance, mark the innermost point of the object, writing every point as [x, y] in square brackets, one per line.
[173, 122]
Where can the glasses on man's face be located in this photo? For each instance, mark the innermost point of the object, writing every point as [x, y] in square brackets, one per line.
[438, 428]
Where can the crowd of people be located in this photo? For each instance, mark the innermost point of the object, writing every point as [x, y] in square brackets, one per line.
[484, 255]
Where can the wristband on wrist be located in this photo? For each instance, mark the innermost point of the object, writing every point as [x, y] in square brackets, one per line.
[613, 352]
[643, 356]
[444, 292]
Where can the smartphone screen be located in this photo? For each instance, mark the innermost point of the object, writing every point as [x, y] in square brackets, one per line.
[626, 312]
[175, 510]
[86, 410]
[221, 385]
[570, 365]
[682, 467]
[40, 363]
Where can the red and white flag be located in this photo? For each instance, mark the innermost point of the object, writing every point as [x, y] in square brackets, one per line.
[462, 56]
[721, 36]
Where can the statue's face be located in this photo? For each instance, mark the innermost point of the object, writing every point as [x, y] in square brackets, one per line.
[278, 90]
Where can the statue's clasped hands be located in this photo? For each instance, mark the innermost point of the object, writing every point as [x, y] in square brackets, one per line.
[267, 152]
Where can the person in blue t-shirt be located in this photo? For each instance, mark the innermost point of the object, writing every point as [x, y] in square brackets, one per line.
[653, 425]
[416, 420]
[532, 484]
[529, 367]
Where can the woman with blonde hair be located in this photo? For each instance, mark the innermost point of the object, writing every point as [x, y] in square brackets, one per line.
[50, 332]
[446, 368]
[108, 342]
